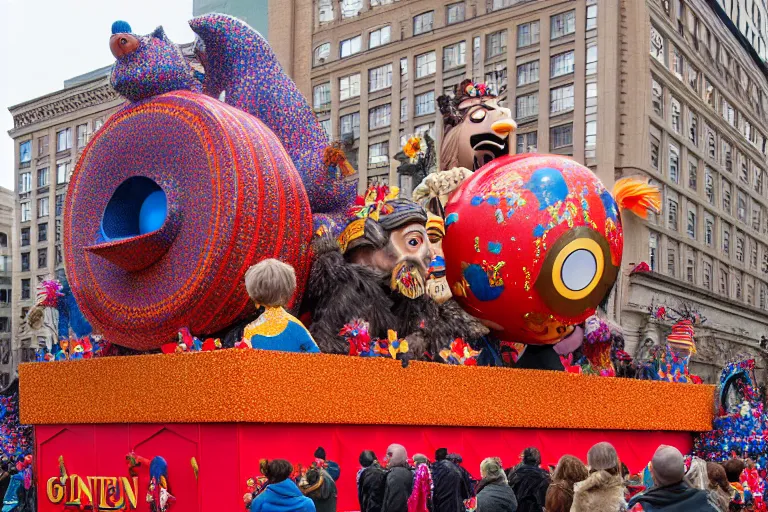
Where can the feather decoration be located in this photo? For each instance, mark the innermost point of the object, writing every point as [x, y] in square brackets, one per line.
[637, 196]
[62, 470]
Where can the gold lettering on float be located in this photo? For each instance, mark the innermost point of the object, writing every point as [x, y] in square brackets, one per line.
[110, 492]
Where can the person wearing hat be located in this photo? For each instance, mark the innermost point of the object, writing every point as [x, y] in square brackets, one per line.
[493, 492]
[603, 490]
[371, 481]
[450, 486]
[671, 493]
[331, 467]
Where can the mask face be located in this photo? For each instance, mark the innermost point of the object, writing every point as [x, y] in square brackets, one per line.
[411, 242]
[437, 284]
[479, 140]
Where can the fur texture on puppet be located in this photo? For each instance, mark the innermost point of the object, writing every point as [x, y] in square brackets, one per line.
[339, 292]
[432, 327]
[357, 291]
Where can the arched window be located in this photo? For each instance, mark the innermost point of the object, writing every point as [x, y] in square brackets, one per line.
[322, 53]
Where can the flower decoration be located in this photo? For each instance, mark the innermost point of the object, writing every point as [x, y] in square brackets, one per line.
[189, 343]
[73, 349]
[360, 344]
[476, 90]
[48, 293]
[568, 365]
[414, 147]
[396, 346]
[460, 352]
[336, 161]
[597, 349]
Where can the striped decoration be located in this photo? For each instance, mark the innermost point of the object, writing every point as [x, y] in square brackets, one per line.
[234, 198]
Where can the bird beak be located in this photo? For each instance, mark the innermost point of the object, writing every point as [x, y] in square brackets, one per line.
[504, 127]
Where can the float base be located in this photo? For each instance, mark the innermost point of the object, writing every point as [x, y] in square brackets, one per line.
[228, 453]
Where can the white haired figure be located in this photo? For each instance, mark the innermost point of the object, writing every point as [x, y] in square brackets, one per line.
[271, 284]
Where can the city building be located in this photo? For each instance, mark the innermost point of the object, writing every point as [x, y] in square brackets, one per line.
[692, 117]
[747, 18]
[668, 89]
[7, 368]
[253, 12]
[49, 134]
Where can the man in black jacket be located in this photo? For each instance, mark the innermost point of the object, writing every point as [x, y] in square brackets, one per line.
[371, 480]
[399, 483]
[530, 482]
[450, 488]
[671, 493]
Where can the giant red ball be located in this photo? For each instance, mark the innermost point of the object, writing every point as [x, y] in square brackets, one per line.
[533, 245]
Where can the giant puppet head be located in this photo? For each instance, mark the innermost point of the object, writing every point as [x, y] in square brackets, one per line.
[177, 195]
[477, 129]
[390, 235]
[533, 244]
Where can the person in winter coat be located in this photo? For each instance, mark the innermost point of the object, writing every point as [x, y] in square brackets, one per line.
[421, 495]
[282, 494]
[469, 481]
[320, 488]
[371, 480]
[671, 493]
[529, 482]
[569, 471]
[332, 468]
[719, 488]
[493, 492]
[450, 488]
[399, 483]
[603, 490]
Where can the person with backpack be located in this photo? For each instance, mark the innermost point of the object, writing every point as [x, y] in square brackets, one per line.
[331, 467]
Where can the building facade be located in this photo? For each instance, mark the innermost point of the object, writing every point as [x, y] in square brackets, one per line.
[668, 89]
[49, 132]
[749, 19]
[7, 368]
[253, 12]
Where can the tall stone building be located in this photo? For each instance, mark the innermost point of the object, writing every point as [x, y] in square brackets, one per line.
[7, 368]
[669, 90]
[749, 18]
[49, 133]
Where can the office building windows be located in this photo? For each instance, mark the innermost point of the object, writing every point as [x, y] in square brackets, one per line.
[423, 22]
[561, 99]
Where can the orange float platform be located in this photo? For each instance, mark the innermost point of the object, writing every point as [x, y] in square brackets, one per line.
[229, 408]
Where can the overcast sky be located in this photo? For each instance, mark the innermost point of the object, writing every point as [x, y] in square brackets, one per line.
[44, 42]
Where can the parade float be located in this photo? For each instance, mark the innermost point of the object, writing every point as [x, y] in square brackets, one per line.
[419, 306]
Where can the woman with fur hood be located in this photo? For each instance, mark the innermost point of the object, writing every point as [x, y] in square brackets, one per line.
[603, 490]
